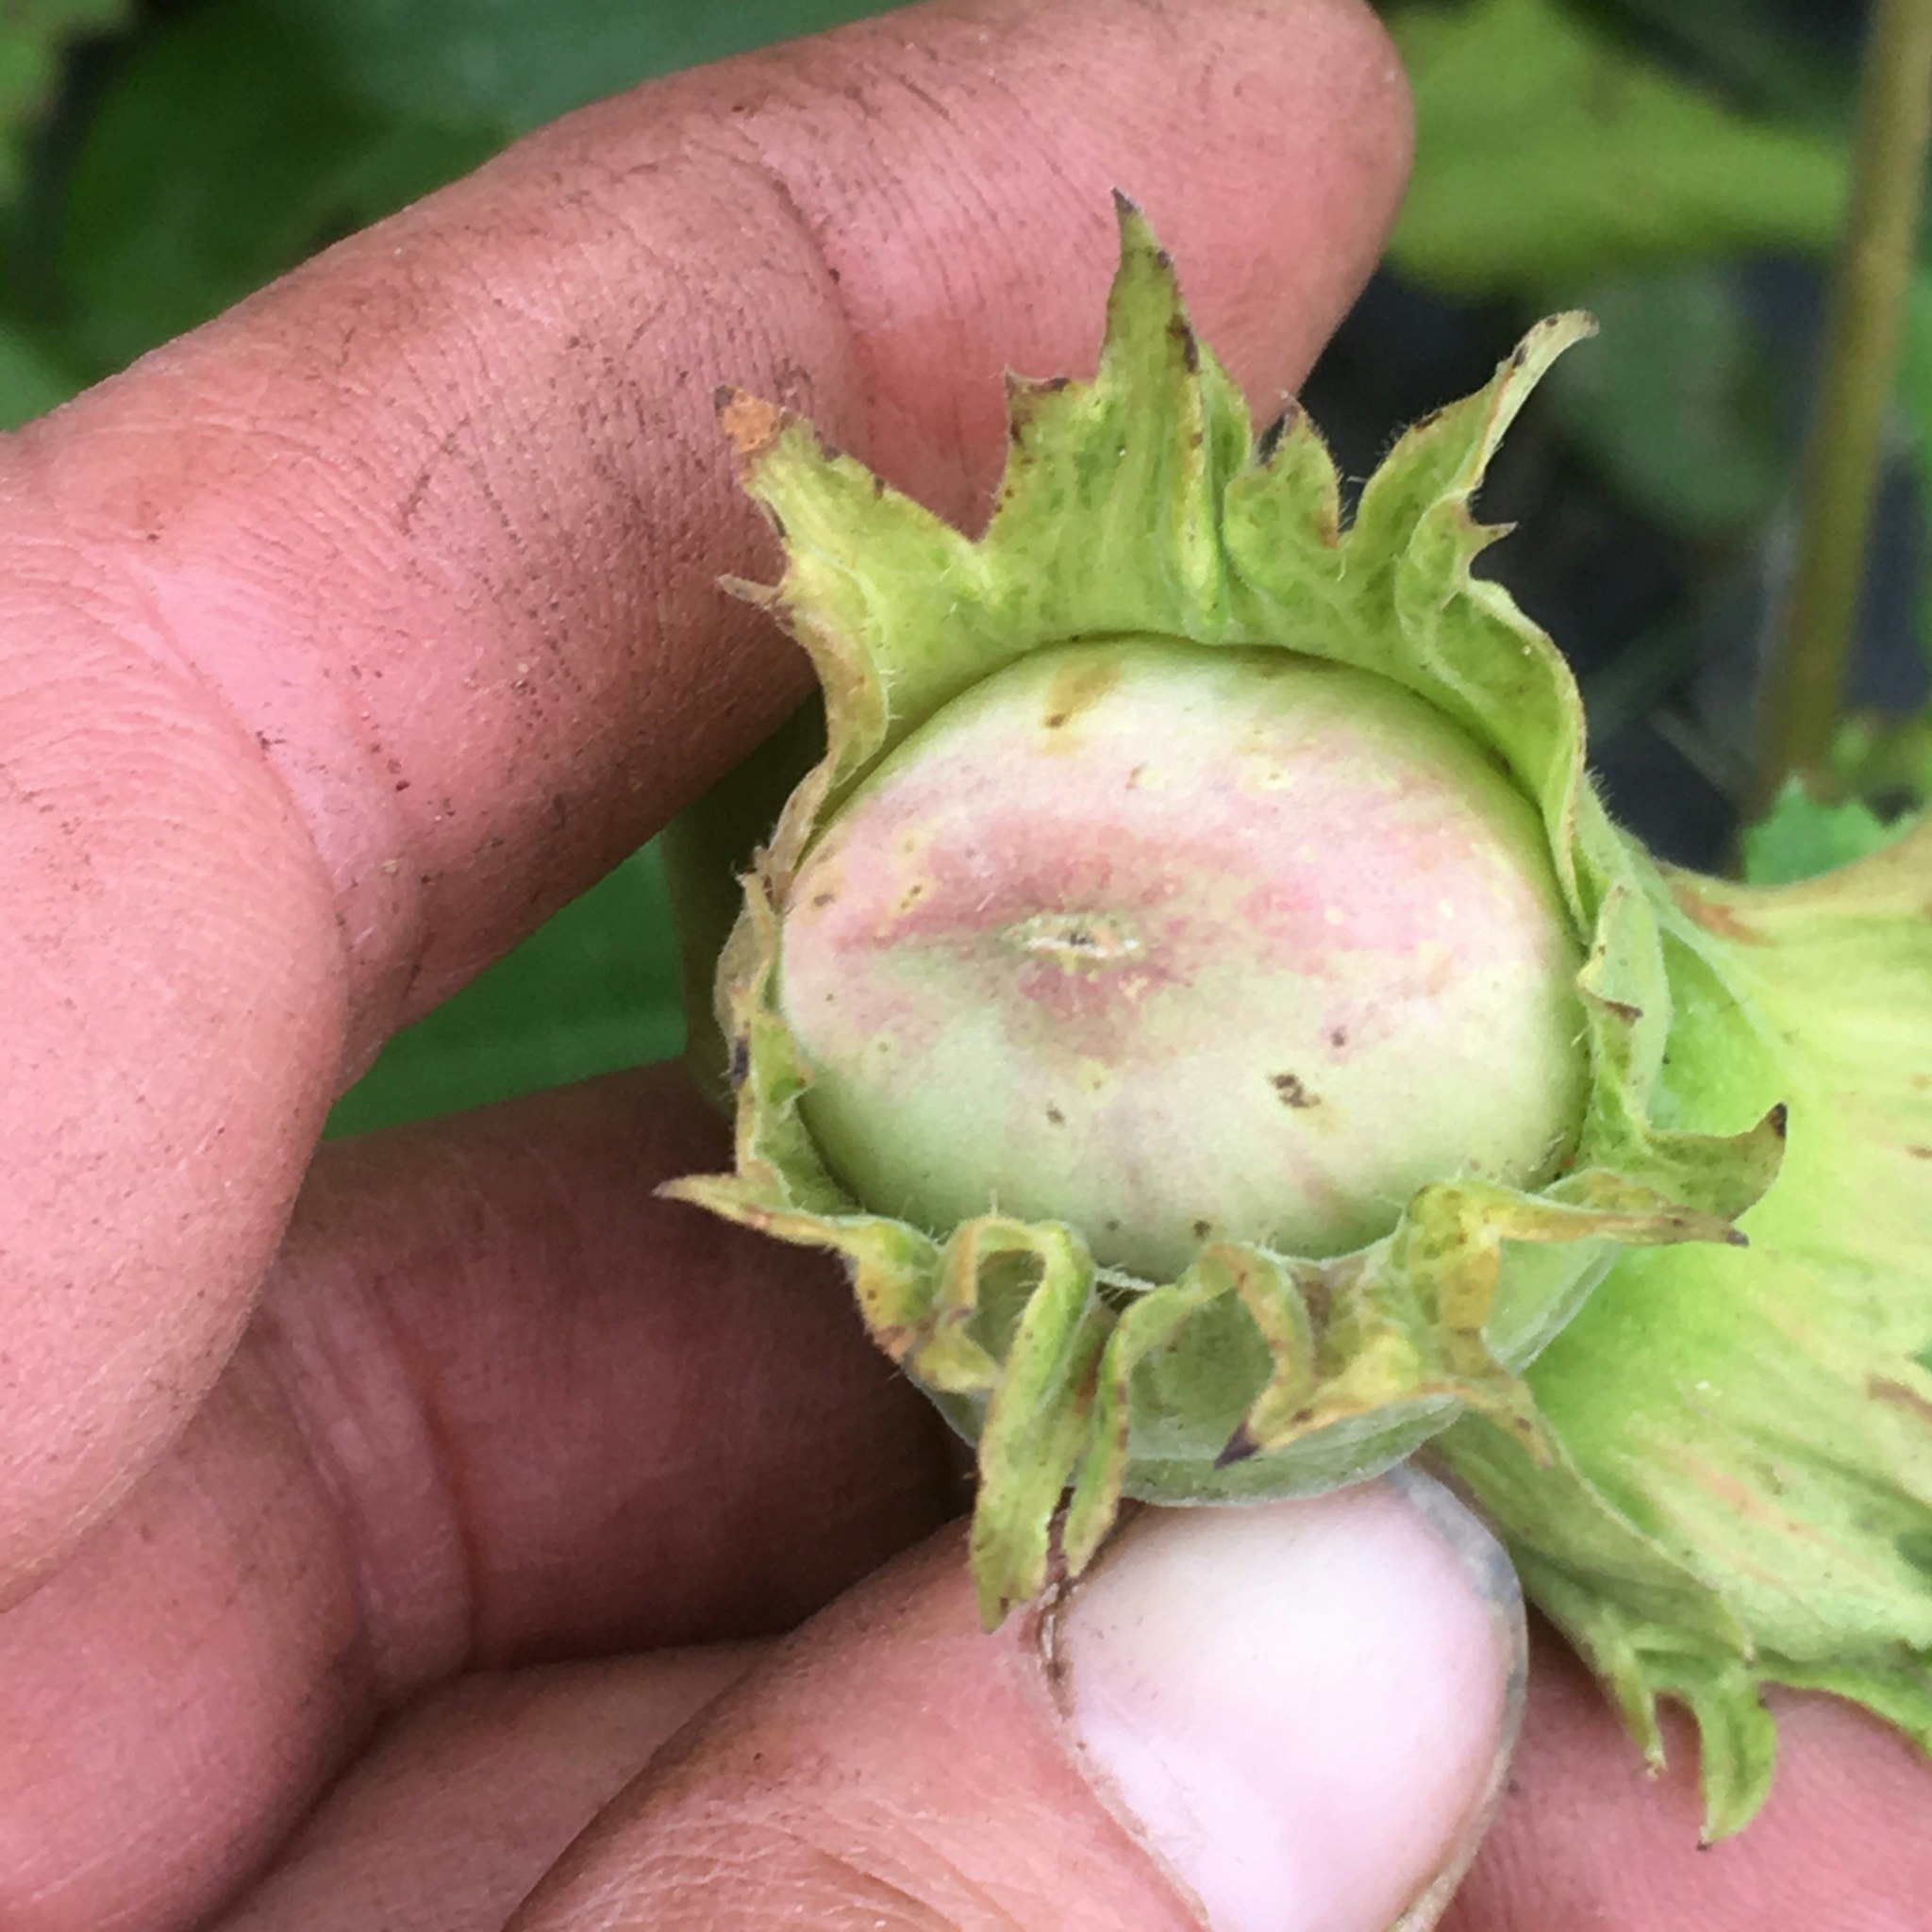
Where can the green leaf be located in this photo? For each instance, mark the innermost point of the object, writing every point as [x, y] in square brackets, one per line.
[220, 156]
[594, 989]
[1548, 151]
[32, 378]
[1763, 55]
[1678, 403]
[33, 36]
[521, 64]
[1801, 836]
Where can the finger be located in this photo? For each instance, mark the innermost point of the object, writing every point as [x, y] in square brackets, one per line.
[442, 517]
[1585, 1838]
[465, 1801]
[1266, 1719]
[500, 1404]
[347, 637]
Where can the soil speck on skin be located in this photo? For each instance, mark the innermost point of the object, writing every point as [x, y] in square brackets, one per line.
[1203, 1229]
[823, 899]
[1292, 1092]
[1079, 685]
[1338, 1038]
[1054, 1115]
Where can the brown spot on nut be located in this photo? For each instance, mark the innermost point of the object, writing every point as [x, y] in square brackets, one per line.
[1082, 684]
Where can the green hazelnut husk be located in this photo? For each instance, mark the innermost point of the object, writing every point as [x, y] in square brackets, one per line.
[1685, 1369]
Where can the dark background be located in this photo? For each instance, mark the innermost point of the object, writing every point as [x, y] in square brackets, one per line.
[1680, 170]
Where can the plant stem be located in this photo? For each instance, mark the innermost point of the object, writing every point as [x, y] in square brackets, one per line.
[1805, 677]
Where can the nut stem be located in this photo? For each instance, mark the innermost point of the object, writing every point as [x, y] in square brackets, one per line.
[1807, 675]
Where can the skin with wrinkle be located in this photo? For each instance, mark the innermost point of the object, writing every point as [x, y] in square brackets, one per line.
[502, 1405]
[496, 1775]
[768, 1805]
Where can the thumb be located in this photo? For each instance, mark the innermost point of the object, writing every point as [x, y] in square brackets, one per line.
[1287, 1718]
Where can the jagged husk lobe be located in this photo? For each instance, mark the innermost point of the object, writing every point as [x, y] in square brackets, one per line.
[1142, 503]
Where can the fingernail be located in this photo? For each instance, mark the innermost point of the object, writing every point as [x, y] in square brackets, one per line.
[1303, 1708]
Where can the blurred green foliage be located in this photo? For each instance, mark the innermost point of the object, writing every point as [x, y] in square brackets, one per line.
[1550, 155]
[159, 162]
[518, 63]
[1562, 164]
[1677, 399]
[595, 990]
[1802, 835]
[34, 34]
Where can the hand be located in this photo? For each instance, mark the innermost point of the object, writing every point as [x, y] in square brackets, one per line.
[342, 642]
